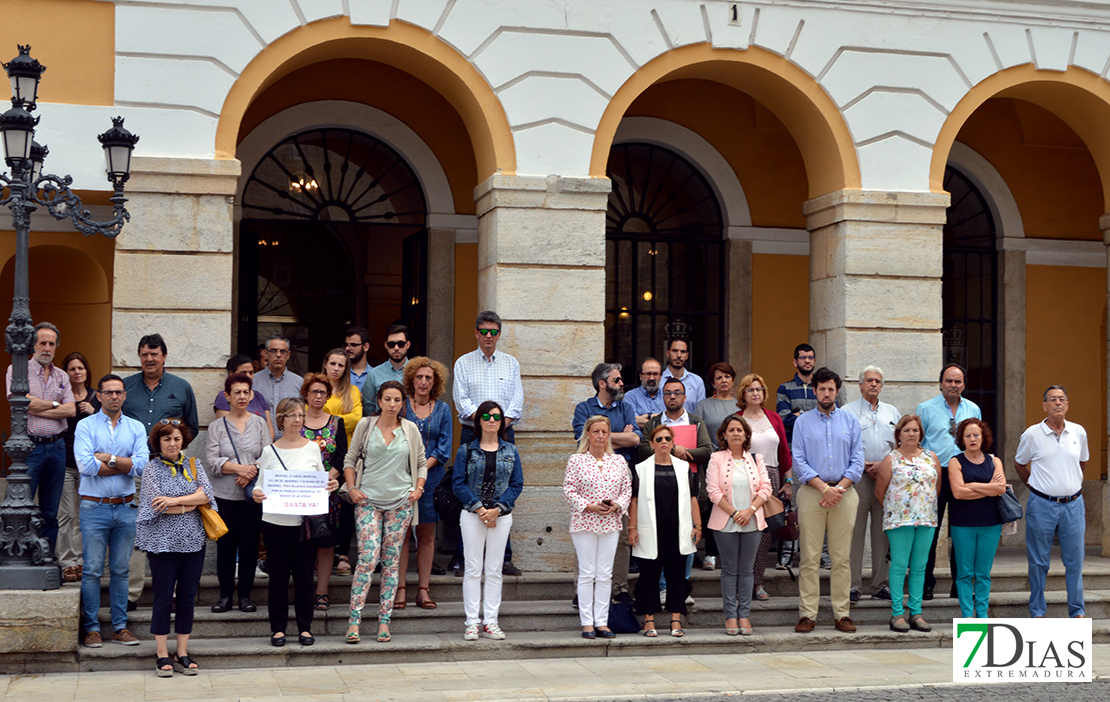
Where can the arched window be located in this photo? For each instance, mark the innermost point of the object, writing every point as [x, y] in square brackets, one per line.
[333, 234]
[665, 259]
[970, 292]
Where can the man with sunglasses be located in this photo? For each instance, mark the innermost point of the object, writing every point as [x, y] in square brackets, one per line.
[356, 345]
[275, 381]
[152, 395]
[397, 349]
[939, 418]
[488, 374]
[111, 452]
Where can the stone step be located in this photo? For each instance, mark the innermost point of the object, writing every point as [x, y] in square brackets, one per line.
[417, 648]
[555, 616]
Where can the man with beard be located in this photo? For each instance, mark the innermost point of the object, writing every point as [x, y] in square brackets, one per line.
[939, 418]
[397, 348]
[678, 355]
[646, 400]
[356, 344]
[51, 402]
[625, 436]
[828, 461]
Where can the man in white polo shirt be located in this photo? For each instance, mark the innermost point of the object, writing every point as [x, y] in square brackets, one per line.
[1050, 459]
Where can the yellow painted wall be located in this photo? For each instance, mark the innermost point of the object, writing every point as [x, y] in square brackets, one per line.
[780, 315]
[1065, 344]
[391, 90]
[755, 143]
[466, 305]
[74, 39]
[1046, 165]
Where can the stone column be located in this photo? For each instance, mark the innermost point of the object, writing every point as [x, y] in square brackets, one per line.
[173, 271]
[875, 263]
[541, 267]
[1104, 488]
[739, 306]
[1011, 356]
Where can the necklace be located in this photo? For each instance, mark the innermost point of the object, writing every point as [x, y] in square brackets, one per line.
[422, 404]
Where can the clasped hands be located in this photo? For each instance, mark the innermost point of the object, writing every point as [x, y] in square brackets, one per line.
[602, 509]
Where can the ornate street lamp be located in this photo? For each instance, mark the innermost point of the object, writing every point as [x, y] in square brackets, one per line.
[26, 562]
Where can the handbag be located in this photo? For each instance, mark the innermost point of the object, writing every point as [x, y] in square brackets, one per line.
[214, 526]
[248, 489]
[313, 526]
[622, 616]
[773, 514]
[785, 526]
[1009, 509]
[345, 488]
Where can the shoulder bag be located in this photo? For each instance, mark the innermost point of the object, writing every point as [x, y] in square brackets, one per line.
[313, 526]
[248, 489]
[1009, 509]
[345, 489]
[214, 526]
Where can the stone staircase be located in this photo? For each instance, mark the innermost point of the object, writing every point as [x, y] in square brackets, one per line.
[540, 622]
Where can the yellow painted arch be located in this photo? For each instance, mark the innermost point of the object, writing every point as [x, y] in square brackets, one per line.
[1078, 97]
[401, 45]
[793, 96]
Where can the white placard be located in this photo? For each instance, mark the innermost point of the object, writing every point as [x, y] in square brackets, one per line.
[294, 492]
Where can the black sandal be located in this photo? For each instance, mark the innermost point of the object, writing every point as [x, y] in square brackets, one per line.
[187, 664]
[162, 672]
[322, 603]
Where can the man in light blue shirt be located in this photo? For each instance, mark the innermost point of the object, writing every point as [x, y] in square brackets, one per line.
[828, 461]
[678, 355]
[111, 451]
[397, 347]
[940, 416]
[487, 374]
[647, 399]
[356, 344]
[275, 381]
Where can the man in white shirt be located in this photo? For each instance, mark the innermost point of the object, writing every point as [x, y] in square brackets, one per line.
[1050, 459]
[877, 421]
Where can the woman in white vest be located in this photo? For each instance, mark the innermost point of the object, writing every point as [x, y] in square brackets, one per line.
[664, 523]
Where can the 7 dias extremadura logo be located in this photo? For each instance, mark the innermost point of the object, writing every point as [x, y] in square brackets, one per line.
[1011, 650]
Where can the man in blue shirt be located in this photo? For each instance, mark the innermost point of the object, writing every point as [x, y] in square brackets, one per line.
[647, 399]
[940, 416]
[828, 461]
[111, 451]
[356, 345]
[397, 348]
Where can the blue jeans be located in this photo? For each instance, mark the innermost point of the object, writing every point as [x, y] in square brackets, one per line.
[46, 467]
[107, 534]
[1042, 519]
[975, 548]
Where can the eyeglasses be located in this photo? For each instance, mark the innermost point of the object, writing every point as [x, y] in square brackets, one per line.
[317, 392]
[673, 393]
[661, 439]
[395, 344]
[752, 391]
[495, 417]
[112, 393]
[170, 422]
[279, 352]
[489, 332]
[295, 416]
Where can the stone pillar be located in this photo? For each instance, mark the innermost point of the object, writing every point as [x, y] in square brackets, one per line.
[541, 267]
[738, 308]
[1104, 502]
[173, 271]
[1011, 356]
[875, 262]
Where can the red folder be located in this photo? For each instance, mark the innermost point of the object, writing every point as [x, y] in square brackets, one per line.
[686, 436]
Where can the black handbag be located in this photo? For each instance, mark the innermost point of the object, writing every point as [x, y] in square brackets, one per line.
[622, 616]
[447, 504]
[1009, 509]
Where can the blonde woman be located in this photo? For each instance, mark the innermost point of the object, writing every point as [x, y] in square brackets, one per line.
[346, 400]
[598, 487]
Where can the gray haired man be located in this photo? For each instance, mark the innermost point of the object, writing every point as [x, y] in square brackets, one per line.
[877, 421]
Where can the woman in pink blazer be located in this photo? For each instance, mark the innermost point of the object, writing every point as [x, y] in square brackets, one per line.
[738, 486]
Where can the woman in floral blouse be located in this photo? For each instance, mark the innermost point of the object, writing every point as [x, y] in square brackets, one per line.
[169, 529]
[598, 487]
[329, 433]
[907, 485]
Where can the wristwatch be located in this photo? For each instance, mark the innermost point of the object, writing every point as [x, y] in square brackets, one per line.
[112, 462]
[56, 404]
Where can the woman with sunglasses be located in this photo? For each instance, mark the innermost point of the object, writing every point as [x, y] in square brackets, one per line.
[598, 487]
[393, 475]
[287, 552]
[168, 527]
[664, 523]
[329, 434]
[487, 479]
[768, 440]
[737, 483]
[235, 443]
[346, 400]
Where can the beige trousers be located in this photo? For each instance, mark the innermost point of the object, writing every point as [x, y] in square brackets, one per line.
[814, 522]
[869, 506]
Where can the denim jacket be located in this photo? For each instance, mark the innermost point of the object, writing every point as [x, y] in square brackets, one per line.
[470, 469]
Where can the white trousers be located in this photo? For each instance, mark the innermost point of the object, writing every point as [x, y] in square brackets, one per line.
[595, 574]
[483, 545]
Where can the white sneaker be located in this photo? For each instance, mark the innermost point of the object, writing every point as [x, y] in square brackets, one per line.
[471, 633]
[709, 563]
[493, 631]
[690, 601]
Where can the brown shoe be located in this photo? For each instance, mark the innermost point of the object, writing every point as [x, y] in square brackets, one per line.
[93, 640]
[845, 624]
[804, 625]
[71, 575]
[125, 637]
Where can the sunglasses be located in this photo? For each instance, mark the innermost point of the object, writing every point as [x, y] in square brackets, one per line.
[495, 417]
[395, 344]
[489, 332]
[170, 422]
[352, 346]
[661, 439]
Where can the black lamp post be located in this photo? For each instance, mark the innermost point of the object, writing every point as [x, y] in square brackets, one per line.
[26, 562]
